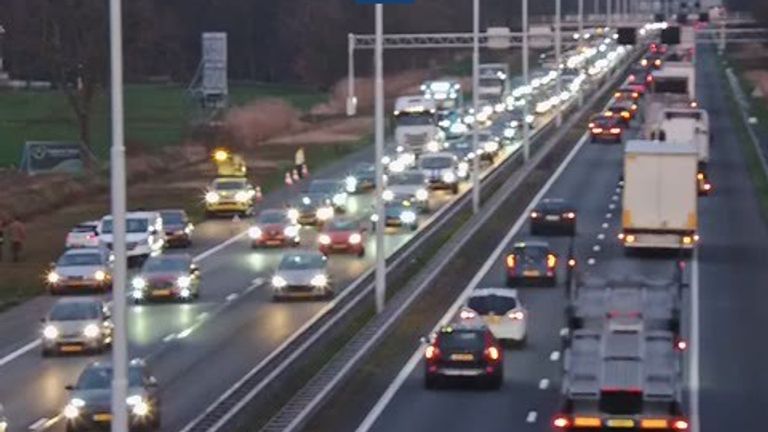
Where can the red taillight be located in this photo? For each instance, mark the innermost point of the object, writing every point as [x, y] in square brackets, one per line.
[591, 125]
[649, 78]
[570, 215]
[632, 78]
[572, 263]
[561, 422]
[467, 314]
[492, 353]
[432, 353]
[681, 345]
[680, 425]
[551, 260]
[510, 261]
[516, 315]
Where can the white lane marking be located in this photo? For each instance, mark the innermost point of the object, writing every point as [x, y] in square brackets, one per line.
[601, 236]
[555, 356]
[257, 281]
[564, 331]
[605, 225]
[611, 206]
[543, 384]
[185, 333]
[390, 392]
[615, 197]
[608, 215]
[531, 417]
[19, 352]
[596, 248]
[618, 189]
[232, 297]
[38, 424]
[169, 338]
[202, 316]
[591, 261]
[205, 254]
[695, 344]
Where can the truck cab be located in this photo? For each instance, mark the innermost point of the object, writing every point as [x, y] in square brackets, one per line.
[493, 82]
[446, 94]
[690, 125]
[416, 128]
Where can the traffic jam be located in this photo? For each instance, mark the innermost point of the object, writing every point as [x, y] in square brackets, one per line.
[623, 347]
[428, 164]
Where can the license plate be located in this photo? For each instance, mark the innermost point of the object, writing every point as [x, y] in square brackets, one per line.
[552, 218]
[339, 246]
[493, 319]
[621, 423]
[102, 417]
[71, 348]
[533, 273]
[165, 292]
[462, 357]
[274, 242]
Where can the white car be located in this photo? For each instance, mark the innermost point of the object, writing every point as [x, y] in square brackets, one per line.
[85, 234]
[441, 170]
[144, 234]
[411, 184]
[501, 310]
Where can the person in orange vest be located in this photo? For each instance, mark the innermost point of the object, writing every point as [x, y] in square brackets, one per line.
[17, 233]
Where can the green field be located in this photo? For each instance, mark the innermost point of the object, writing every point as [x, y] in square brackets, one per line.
[156, 115]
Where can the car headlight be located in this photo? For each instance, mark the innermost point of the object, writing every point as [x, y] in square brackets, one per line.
[141, 409]
[211, 197]
[514, 124]
[491, 146]
[449, 177]
[355, 238]
[53, 277]
[324, 239]
[319, 280]
[396, 166]
[340, 199]
[433, 146]
[374, 218]
[72, 410]
[137, 294]
[293, 214]
[184, 281]
[408, 217]
[242, 196]
[422, 195]
[91, 331]
[100, 275]
[529, 118]
[509, 132]
[278, 281]
[388, 195]
[291, 231]
[351, 184]
[254, 232]
[50, 332]
[139, 283]
[189, 228]
[324, 213]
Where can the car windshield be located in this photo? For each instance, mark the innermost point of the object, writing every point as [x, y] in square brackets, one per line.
[272, 217]
[166, 264]
[408, 178]
[462, 145]
[342, 225]
[531, 254]
[100, 378]
[323, 186]
[75, 311]
[302, 262]
[229, 185]
[172, 217]
[462, 340]
[552, 205]
[490, 82]
[436, 162]
[415, 119]
[132, 225]
[80, 259]
[365, 169]
[492, 304]
[84, 229]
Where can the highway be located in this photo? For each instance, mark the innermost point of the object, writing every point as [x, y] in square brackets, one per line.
[727, 274]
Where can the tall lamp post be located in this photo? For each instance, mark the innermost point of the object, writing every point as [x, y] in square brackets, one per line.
[475, 102]
[526, 83]
[381, 281]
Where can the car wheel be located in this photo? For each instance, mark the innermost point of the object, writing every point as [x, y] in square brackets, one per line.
[455, 189]
[361, 253]
[47, 352]
[70, 427]
[552, 281]
[495, 381]
[430, 381]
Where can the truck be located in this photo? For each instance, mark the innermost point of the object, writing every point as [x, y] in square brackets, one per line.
[446, 93]
[676, 77]
[659, 202]
[690, 125]
[494, 82]
[416, 125]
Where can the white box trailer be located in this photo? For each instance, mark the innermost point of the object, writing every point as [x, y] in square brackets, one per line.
[659, 205]
[677, 77]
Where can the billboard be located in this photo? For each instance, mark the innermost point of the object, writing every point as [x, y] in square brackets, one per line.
[215, 64]
[54, 157]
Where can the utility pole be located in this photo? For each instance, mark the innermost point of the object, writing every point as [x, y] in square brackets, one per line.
[351, 99]
[119, 422]
[475, 103]
[581, 39]
[526, 81]
[378, 53]
[559, 54]
[608, 12]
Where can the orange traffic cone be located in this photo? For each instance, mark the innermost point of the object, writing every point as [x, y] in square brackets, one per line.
[258, 194]
[288, 179]
[295, 174]
[304, 171]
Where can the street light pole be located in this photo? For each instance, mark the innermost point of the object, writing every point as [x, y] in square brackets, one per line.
[559, 54]
[608, 12]
[526, 83]
[381, 281]
[475, 103]
[351, 99]
[581, 38]
[119, 421]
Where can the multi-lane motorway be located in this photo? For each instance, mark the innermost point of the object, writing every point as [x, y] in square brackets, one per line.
[725, 363]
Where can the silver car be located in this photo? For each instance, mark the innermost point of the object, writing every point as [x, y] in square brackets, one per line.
[302, 274]
[78, 270]
[412, 184]
[77, 325]
[441, 170]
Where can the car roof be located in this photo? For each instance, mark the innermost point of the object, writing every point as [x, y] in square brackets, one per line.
[230, 179]
[172, 211]
[436, 155]
[137, 215]
[501, 292]
[303, 253]
[79, 299]
[88, 224]
[84, 251]
[531, 243]
[176, 256]
[136, 363]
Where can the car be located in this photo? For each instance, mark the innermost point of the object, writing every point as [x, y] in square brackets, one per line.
[463, 351]
[452, 124]
[302, 274]
[652, 61]
[622, 111]
[489, 145]
[638, 88]
[605, 129]
[398, 160]
[229, 195]
[441, 171]
[166, 277]
[464, 151]
[515, 119]
[76, 325]
[310, 209]
[501, 310]
[639, 76]
[273, 227]
[398, 212]
[531, 262]
[553, 215]
[332, 191]
[84, 234]
[178, 228]
[90, 399]
[79, 270]
[361, 178]
[411, 185]
[626, 93]
[342, 234]
[145, 234]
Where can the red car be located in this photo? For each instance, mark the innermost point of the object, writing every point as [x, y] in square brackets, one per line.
[342, 234]
[274, 228]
